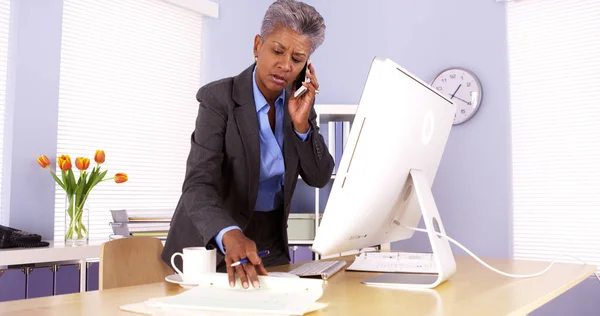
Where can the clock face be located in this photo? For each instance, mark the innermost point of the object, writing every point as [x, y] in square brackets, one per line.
[462, 88]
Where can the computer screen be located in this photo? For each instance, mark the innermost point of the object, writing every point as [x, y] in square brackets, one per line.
[383, 183]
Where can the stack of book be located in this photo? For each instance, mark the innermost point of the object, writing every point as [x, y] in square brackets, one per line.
[140, 223]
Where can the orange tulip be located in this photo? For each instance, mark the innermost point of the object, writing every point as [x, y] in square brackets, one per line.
[82, 163]
[43, 161]
[120, 178]
[99, 156]
[64, 162]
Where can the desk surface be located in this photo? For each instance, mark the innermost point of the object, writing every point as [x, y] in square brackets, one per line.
[474, 290]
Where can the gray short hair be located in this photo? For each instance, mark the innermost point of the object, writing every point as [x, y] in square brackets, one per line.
[298, 16]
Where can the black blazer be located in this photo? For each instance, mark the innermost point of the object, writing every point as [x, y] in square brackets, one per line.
[221, 182]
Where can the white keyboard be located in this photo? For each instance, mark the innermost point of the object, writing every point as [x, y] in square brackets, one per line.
[408, 262]
[323, 269]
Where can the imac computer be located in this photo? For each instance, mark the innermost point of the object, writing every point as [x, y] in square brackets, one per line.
[383, 183]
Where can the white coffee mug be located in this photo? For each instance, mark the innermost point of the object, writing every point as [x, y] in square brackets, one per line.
[196, 261]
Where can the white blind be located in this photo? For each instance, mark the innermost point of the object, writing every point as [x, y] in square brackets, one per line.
[555, 109]
[4, 31]
[129, 75]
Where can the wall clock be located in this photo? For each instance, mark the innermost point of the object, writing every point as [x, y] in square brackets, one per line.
[463, 88]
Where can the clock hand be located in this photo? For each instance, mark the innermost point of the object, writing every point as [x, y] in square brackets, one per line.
[455, 91]
[469, 103]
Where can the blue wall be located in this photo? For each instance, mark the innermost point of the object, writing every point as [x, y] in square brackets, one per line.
[32, 112]
[227, 42]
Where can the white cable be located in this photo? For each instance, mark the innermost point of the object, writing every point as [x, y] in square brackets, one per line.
[487, 265]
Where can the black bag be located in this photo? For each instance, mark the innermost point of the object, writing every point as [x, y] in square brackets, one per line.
[11, 238]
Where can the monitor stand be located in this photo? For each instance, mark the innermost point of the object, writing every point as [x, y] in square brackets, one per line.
[442, 253]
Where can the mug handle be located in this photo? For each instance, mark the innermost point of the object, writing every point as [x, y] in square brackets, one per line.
[173, 262]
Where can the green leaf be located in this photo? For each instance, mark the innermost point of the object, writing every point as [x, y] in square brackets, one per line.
[66, 182]
[80, 190]
[88, 185]
[92, 179]
[70, 207]
[79, 179]
[101, 176]
[98, 178]
[72, 182]
[62, 185]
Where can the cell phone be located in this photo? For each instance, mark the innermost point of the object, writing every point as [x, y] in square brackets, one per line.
[300, 89]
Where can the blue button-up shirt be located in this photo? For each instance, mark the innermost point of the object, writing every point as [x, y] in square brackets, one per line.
[272, 168]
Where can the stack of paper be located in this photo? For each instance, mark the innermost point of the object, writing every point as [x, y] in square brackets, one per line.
[138, 223]
[214, 296]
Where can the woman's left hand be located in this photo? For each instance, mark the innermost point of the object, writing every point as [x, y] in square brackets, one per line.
[300, 107]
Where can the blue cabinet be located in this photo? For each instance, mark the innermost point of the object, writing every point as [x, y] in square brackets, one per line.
[39, 281]
[12, 284]
[92, 276]
[52, 279]
[66, 279]
[300, 253]
[303, 254]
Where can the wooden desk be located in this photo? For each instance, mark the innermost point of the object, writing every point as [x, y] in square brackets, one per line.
[474, 290]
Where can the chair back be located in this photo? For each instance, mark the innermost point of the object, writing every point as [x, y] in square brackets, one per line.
[131, 261]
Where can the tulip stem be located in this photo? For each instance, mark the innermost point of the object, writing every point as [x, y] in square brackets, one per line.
[75, 211]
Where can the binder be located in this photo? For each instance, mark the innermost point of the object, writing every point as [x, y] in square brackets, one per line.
[331, 144]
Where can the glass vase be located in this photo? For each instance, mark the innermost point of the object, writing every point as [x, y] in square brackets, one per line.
[77, 219]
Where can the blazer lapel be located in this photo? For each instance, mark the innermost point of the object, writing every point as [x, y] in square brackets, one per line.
[289, 154]
[247, 124]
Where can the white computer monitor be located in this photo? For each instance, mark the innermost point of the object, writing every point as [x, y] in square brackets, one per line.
[383, 182]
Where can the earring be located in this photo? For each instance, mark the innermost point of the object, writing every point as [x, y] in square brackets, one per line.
[255, 58]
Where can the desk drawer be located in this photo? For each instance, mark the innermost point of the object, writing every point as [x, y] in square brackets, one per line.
[44, 280]
[12, 284]
[66, 279]
[40, 282]
[92, 276]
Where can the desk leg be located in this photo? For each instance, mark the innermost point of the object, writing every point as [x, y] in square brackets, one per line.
[82, 275]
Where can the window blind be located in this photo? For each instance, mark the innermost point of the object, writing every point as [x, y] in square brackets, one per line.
[129, 75]
[555, 109]
[4, 31]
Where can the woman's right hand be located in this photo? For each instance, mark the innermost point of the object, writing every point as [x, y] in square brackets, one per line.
[237, 247]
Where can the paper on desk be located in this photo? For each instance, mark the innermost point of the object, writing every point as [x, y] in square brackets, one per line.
[276, 295]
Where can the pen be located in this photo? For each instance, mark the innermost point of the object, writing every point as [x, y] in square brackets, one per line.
[260, 254]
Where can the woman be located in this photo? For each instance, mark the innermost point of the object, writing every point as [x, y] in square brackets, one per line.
[252, 140]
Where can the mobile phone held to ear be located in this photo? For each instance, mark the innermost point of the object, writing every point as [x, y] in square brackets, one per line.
[300, 89]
